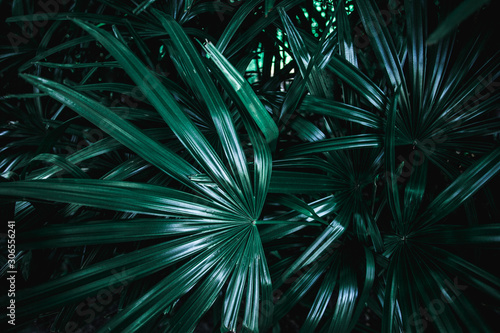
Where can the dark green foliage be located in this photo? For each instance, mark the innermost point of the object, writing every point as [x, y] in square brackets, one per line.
[251, 165]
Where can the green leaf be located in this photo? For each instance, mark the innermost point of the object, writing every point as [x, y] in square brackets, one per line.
[391, 174]
[150, 304]
[346, 45]
[258, 287]
[168, 108]
[300, 285]
[461, 306]
[470, 273]
[114, 231]
[121, 196]
[251, 32]
[82, 65]
[357, 80]
[144, 5]
[295, 203]
[245, 95]
[367, 287]
[346, 300]
[347, 142]
[255, 119]
[417, 55]
[390, 298]
[415, 188]
[321, 300]
[316, 251]
[196, 74]
[305, 129]
[301, 182]
[188, 4]
[121, 130]
[462, 188]
[481, 235]
[205, 295]
[268, 6]
[384, 47]
[236, 286]
[457, 16]
[125, 268]
[62, 163]
[342, 111]
[236, 22]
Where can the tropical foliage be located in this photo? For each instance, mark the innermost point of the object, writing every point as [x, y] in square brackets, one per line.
[312, 166]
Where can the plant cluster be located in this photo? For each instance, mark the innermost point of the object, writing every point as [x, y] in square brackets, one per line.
[246, 166]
